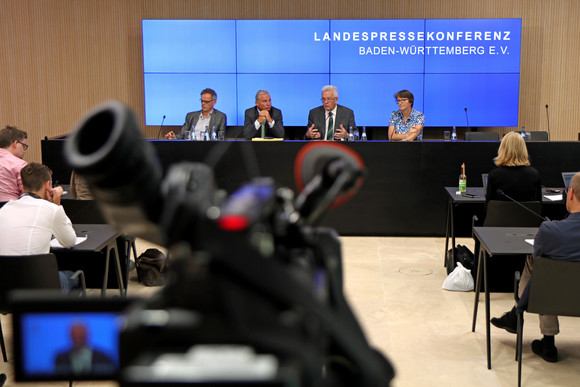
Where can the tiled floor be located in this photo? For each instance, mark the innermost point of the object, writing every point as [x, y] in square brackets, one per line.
[394, 286]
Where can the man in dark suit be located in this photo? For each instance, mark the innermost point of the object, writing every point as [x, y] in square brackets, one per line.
[81, 358]
[196, 122]
[329, 121]
[263, 120]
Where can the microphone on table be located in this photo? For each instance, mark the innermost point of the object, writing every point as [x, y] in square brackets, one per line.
[500, 192]
[467, 119]
[548, 118]
[161, 127]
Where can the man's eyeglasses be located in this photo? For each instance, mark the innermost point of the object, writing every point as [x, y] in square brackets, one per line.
[203, 101]
[327, 99]
[25, 146]
[401, 100]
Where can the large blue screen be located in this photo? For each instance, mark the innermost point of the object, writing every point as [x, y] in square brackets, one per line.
[448, 64]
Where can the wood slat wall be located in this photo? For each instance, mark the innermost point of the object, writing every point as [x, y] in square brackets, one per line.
[59, 58]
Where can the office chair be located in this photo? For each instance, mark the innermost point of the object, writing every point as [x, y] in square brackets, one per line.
[538, 136]
[25, 272]
[481, 136]
[554, 289]
[501, 213]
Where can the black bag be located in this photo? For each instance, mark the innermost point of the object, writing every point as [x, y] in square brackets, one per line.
[151, 267]
[463, 255]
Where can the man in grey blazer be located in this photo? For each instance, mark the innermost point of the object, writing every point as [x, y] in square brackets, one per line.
[329, 121]
[263, 118]
[206, 117]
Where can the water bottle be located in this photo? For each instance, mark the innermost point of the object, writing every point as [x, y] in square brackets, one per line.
[213, 133]
[350, 134]
[523, 133]
[454, 135]
[206, 134]
[363, 137]
[193, 137]
[462, 179]
[356, 135]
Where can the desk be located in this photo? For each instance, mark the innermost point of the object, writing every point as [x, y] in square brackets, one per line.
[402, 194]
[497, 241]
[455, 200]
[101, 239]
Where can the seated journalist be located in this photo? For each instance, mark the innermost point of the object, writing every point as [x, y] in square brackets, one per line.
[12, 147]
[28, 224]
[513, 176]
[329, 121]
[557, 239]
[263, 120]
[406, 124]
[197, 121]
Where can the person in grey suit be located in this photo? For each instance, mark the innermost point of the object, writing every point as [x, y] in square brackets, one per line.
[206, 117]
[263, 118]
[329, 121]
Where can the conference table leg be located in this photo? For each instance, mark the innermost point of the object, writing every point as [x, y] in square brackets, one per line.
[477, 289]
[113, 246]
[487, 317]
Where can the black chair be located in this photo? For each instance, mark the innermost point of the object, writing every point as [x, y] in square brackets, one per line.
[481, 136]
[501, 213]
[538, 136]
[554, 289]
[27, 272]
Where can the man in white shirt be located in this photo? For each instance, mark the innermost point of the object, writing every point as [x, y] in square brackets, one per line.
[28, 224]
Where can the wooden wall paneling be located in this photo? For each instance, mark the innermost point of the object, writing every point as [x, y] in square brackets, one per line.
[62, 57]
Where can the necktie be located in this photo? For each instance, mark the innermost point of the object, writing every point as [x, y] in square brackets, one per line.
[330, 131]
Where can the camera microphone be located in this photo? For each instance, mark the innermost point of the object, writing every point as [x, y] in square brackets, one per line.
[467, 119]
[108, 149]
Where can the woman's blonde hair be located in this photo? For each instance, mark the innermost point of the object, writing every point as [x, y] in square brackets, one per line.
[512, 151]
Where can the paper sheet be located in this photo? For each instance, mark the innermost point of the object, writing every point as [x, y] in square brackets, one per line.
[553, 197]
[54, 242]
[530, 241]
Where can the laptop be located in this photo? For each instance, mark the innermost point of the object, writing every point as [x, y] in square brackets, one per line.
[567, 176]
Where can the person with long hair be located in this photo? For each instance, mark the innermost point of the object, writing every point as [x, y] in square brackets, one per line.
[514, 175]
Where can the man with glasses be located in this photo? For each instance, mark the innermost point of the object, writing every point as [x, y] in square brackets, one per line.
[329, 121]
[406, 124]
[208, 117]
[556, 239]
[12, 148]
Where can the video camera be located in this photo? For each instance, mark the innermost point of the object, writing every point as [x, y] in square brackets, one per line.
[250, 269]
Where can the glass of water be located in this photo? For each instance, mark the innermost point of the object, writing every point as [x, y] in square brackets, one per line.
[447, 135]
[187, 135]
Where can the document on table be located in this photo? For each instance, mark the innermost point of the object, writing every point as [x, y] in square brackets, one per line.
[554, 198]
[530, 241]
[54, 243]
